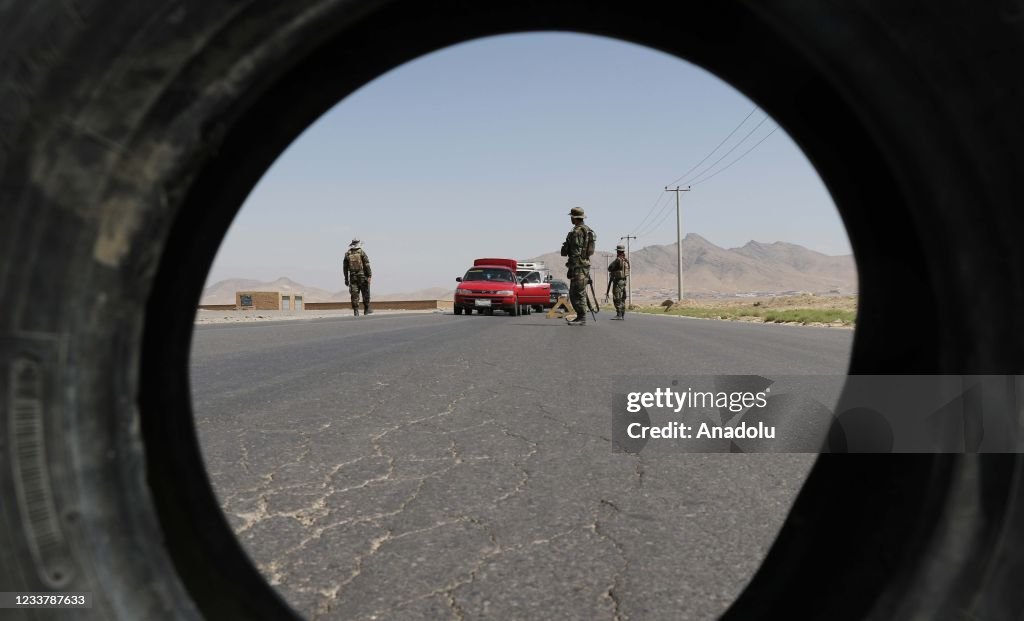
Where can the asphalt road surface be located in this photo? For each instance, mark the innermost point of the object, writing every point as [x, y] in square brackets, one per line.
[439, 466]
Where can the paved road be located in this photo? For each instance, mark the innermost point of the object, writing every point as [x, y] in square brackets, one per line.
[442, 466]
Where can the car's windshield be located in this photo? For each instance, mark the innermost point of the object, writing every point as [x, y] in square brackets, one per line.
[488, 273]
[558, 285]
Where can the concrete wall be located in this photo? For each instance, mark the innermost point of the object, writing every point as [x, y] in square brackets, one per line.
[272, 300]
[384, 305]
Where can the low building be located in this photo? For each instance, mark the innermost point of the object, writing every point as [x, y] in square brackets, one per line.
[268, 300]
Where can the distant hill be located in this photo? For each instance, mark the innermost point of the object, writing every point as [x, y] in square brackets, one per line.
[223, 292]
[709, 269]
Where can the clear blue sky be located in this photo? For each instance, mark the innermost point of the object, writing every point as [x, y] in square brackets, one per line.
[482, 148]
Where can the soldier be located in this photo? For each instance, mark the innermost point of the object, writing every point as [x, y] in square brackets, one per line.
[578, 247]
[356, 268]
[618, 275]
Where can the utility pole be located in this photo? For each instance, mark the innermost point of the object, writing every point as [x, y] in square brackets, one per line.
[679, 239]
[629, 279]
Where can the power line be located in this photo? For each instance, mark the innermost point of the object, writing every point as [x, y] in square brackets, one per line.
[665, 212]
[661, 195]
[716, 148]
[654, 223]
[726, 154]
[738, 158]
[660, 217]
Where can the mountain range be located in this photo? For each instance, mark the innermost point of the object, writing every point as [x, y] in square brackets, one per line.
[708, 270]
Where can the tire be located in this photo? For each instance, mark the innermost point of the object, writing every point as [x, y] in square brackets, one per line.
[130, 134]
[458, 310]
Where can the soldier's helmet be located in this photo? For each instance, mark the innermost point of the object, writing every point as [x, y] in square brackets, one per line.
[620, 248]
[577, 212]
[355, 243]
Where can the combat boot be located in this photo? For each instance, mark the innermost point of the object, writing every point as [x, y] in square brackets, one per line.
[622, 315]
[355, 311]
[581, 320]
[366, 309]
[618, 316]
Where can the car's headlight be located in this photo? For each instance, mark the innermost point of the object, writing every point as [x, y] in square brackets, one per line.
[504, 293]
[463, 292]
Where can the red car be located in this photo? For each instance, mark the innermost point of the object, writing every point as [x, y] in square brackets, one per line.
[492, 284]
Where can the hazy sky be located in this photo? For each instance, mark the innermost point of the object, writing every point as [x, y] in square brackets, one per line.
[482, 148]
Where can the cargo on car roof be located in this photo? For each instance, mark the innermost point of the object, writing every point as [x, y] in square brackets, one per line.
[509, 263]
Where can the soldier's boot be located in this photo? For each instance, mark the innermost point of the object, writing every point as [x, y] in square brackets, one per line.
[618, 315]
[366, 309]
[622, 315]
[581, 320]
[355, 310]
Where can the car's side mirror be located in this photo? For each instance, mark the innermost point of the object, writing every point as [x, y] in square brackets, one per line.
[458, 279]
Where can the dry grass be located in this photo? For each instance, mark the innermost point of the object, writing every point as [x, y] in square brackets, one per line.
[804, 310]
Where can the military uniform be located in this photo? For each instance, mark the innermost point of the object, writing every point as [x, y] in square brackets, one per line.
[618, 275]
[356, 267]
[578, 248]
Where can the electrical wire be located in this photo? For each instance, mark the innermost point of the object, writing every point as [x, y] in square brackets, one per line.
[654, 223]
[661, 196]
[700, 181]
[716, 148]
[726, 154]
[668, 212]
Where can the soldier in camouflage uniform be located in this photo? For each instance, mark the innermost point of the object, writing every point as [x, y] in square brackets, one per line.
[578, 247]
[356, 268]
[618, 275]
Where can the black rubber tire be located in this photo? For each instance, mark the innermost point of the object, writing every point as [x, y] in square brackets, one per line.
[458, 310]
[130, 134]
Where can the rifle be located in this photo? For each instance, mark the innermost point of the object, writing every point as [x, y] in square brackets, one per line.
[607, 289]
[593, 311]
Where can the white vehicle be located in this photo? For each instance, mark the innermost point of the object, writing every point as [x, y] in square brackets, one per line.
[533, 274]
[525, 269]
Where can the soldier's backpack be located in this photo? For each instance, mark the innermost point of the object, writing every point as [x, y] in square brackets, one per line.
[355, 261]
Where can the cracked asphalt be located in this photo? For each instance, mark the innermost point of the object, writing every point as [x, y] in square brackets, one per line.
[453, 467]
